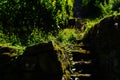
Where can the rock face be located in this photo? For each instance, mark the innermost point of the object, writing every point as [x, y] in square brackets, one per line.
[104, 41]
[6, 54]
[6, 58]
[44, 61]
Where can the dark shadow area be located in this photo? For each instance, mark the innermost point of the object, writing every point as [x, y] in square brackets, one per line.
[86, 10]
[42, 61]
[104, 41]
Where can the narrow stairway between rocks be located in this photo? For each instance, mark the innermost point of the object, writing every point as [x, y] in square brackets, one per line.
[82, 66]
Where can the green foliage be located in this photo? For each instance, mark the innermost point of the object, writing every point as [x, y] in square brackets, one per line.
[107, 7]
[23, 16]
[85, 2]
[88, 8]
[11, 41]
[9, 38]
[61, 9]
[35, 13]
[63, 38]
[38, 36]
[98, 8]
[116, 5]
[67, 36]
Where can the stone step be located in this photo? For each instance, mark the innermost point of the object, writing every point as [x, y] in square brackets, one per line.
[80, 78]
[85, 78]
[82, 46]
[77, 45]
[82, 51]
[78, 41]
[77, 76]
[82, 62]
[83, 68]
[76, 56]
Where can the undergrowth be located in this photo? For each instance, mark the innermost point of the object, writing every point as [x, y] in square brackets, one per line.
[63, 38]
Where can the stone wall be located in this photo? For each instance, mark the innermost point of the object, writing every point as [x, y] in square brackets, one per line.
[104, 42]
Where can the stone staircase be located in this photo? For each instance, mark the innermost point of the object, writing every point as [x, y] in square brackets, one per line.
[82, 66]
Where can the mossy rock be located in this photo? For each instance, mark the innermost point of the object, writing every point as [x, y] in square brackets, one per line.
[47, 59]
[104, 41]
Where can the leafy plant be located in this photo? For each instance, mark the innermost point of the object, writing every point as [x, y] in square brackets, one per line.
[23, 16]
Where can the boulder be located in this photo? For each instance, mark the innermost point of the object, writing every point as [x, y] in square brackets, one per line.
[6, 58]
[104, 41]
[45, 61]
[6, 54]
